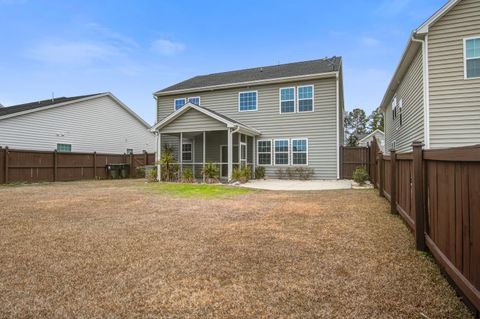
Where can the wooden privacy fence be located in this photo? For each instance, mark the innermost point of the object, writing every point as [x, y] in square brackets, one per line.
[352, 157]
[37, 166]
[437, 193]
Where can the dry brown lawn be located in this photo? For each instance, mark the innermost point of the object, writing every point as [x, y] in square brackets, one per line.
[122, 249]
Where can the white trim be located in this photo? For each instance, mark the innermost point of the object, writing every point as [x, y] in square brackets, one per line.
[113, 97]
[256, 101]
[280, 99]
[191, 151]
[338, 128]
[306, 152]
[175, 103]
[370, 135]
[247, 83]
[275, 153]
[465, 59]
[258, 153]
[195, 97]
[313, 98]
[424, 28]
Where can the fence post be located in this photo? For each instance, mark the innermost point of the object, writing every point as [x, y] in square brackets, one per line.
[393, 181]
[341, 161]
[131, 165]
[381, 175]
[6, 164]
[55, 165]
[418, 187]
[94, 165]
[145, 157]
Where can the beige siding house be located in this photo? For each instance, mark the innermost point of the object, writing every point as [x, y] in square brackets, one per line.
[434, 96]
[279, 116]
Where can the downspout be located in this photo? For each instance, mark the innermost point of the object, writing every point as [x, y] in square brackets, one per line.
[426, 93]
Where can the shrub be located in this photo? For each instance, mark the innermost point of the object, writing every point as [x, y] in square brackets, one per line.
[140, 172]
[360, 175]
[291, 173]
[236, 174]
[260, 172]
[211, 172]
[242, 175]
[305, 173]
[187, 176]
[280, 173]
[169, 165]
[151, 175]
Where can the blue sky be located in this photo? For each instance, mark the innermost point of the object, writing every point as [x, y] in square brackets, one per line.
[133, 48]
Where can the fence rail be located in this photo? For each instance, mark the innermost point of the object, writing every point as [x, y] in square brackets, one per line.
[36, 166]
[437, 193]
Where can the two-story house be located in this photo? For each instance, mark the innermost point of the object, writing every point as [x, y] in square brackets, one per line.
[288, 115]
[434, 95]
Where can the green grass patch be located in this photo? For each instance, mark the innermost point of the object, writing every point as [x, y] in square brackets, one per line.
[198, 190]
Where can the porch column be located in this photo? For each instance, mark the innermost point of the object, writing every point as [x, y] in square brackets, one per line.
[254, 159]
[239, 149]
[180, 156]
[230, 153]
[158, 156]
[203, 160]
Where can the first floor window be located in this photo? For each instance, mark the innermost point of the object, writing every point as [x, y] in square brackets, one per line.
[247, 101]
[64, 147]
[187, 152]
[194, 100]
[179, 103]
[472, 58]
[129, 150]
[281, 152]
[264, 149]
[287, 100]
[305, 98]
[299, 151]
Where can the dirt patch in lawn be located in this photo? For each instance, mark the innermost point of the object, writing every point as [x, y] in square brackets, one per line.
[120, 249]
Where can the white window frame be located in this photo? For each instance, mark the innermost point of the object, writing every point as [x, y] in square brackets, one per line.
[191, 151]
[195, 97]
[275, 153]
[394, 107]
[175, 103]
[271, 152]
[400, 117]
[71, 148]
[256, 101]
[298, 98]
[291, 150]
[465, 57]
[294, 100]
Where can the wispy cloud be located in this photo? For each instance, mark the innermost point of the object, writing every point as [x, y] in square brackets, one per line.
[167, 47]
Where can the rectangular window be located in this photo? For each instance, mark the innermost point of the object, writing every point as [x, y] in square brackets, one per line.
[287, 100]
[394, 108]
[264, 151]
[299, 151]
[281, 152]
[178, 103]
[400, 106]
[194, 100]
[472, 58]
[247, 101]
[129, 150]
[305, 98]
[64, 147]
[187, 152]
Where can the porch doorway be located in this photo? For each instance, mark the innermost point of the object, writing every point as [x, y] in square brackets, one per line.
[224, 159]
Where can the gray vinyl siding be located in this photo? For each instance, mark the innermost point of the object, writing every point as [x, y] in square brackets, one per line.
[410, 90]
[320, 126]
[454, 100]
[194, 121]
[98, 124]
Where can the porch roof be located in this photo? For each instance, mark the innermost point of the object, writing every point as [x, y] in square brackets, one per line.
[229, 122]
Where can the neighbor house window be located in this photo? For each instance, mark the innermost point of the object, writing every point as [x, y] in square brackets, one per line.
[64, 147]
[299, 151]
[472, 58]
[247, 101]
[394, 108]
[305, 98]
[264, 150]
[400, 107]
[194, 100]
[129, 150]
[187, 152]
[179, 103]
[281, 152]
[287, 100]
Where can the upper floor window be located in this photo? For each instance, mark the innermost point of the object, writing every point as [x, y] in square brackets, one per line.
[178, 103]
[305, 98]
[472, 58]
[394, 108]
[247, 101]
[400, 107]
[287, 100]
[64, 147]
[194, 100]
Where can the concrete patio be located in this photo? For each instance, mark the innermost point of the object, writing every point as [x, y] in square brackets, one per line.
[297, 185]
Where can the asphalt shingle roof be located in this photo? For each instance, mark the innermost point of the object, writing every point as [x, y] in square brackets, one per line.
[34, 105]
[259, 73]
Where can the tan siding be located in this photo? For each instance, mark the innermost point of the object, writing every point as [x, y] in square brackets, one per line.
[454, 100]
[410, 91]
[194, 121]
[318, 126]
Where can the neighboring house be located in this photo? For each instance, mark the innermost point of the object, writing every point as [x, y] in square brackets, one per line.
[434, 96]
[278, 116]
[367, 140]
[88, 123]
